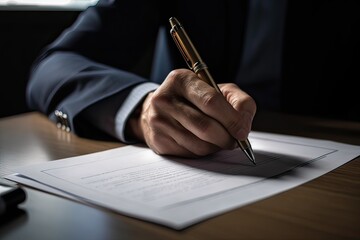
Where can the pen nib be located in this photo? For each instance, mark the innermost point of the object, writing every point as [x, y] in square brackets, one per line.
[250, 155]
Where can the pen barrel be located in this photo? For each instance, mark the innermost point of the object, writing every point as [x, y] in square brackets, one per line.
[205, 75]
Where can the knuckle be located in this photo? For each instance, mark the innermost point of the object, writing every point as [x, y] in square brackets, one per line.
[155, 122]
[181, 78]
[232, 85]
[250, 102]
[210, 98]
[177, 74]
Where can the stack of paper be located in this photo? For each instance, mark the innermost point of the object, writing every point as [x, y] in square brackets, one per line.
[179, 192]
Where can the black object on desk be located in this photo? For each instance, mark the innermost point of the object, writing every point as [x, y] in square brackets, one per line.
[10, 197]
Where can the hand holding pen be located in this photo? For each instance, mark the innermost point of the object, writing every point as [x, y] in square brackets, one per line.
[187, 117]
[196, 64]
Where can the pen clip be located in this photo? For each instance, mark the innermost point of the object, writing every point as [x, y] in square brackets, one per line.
[182, 50]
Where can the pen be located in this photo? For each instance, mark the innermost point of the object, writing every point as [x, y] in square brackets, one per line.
[197, 65]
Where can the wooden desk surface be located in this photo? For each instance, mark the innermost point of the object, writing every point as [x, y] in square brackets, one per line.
[325, 208]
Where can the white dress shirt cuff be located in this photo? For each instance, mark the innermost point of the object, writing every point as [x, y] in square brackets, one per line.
[136, 95]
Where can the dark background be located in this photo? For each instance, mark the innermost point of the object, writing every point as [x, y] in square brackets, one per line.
[22, 36]
[23, 33]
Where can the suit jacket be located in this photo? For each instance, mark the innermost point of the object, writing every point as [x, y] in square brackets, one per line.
[110, 49]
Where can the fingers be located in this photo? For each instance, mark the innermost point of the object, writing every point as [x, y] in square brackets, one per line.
[233, 108]
[203, 126]
[169, 98]
[179, 142]
[187, 117]
[168, 137]
[243, 103]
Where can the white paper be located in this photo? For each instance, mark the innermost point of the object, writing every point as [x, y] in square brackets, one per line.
[179, 192]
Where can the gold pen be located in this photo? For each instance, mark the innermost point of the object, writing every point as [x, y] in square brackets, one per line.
[196, 64]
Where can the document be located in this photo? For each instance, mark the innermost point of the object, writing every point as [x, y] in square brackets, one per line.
[178, 192]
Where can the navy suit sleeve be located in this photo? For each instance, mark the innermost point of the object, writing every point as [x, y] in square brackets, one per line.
[106, 52]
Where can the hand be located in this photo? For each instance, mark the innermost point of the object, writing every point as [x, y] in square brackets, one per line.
[187, 117]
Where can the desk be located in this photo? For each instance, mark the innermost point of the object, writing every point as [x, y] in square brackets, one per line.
[325, 208]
